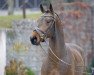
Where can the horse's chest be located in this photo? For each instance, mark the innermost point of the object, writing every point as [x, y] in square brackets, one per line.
[54, 72]
[56, 68]
[59, 69]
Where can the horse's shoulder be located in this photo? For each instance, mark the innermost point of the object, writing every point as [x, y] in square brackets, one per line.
[74, 48]
[76, 51]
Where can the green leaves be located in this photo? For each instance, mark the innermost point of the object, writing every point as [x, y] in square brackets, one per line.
[30, 72]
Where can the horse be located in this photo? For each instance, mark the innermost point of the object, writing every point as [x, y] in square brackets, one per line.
[62, 58]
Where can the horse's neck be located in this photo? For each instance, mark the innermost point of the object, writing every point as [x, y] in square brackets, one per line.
[57, 43]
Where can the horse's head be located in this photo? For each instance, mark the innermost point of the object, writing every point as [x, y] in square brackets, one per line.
[45, 26]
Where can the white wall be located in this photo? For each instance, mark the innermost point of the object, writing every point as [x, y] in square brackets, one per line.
[2, 51]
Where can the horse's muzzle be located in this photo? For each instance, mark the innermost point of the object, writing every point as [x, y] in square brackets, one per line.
[34, 40]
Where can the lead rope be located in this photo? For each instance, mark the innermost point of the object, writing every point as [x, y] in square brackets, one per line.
[61, 59]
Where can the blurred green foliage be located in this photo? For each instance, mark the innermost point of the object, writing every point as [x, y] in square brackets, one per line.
[17, 68]
[90, 66]
[30, 72]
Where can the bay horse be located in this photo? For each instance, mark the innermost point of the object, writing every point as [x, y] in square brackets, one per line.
[67, 58]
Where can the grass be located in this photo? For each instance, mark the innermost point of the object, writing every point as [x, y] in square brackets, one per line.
[5, 21]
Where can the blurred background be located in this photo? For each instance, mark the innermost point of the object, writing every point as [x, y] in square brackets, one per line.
[18, 18]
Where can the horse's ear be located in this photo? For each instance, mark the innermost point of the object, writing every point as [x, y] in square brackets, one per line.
[41, 8]
[51, 8]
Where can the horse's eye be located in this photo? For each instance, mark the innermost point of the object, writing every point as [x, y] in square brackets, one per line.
[48, 21]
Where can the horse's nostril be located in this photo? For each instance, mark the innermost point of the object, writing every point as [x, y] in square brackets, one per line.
[33, 40]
